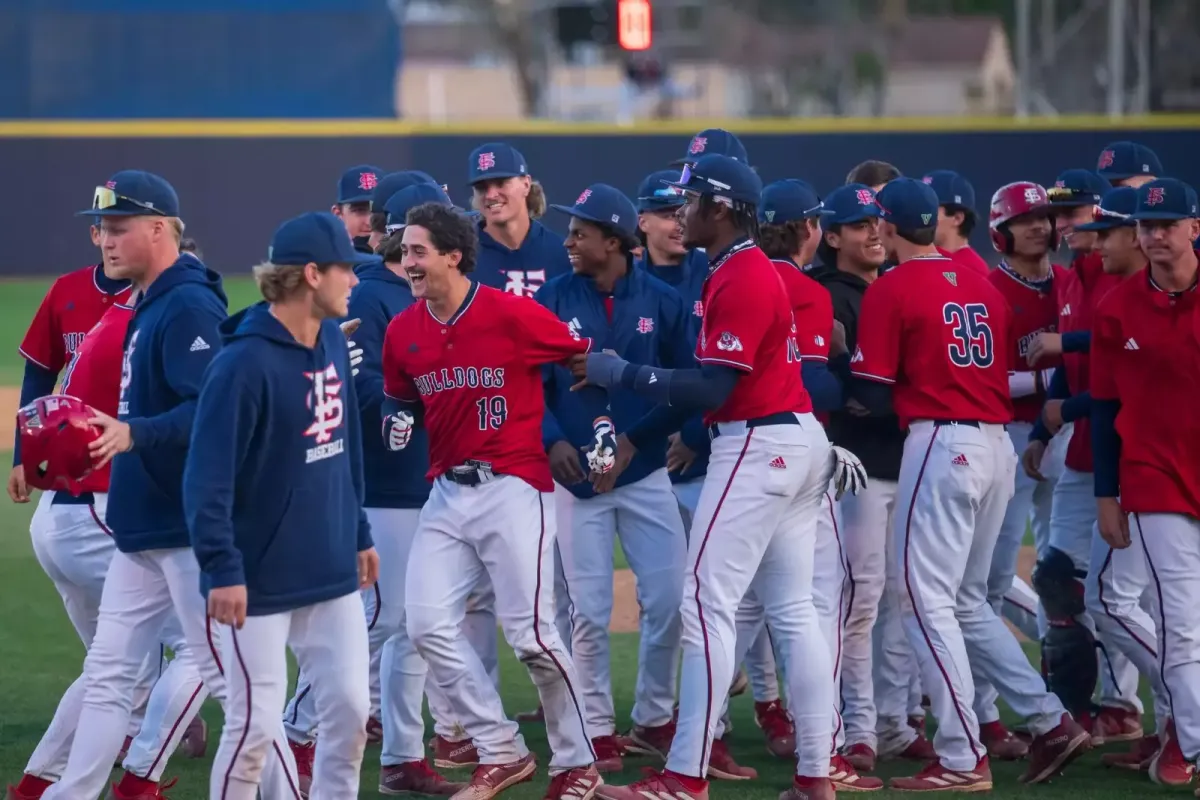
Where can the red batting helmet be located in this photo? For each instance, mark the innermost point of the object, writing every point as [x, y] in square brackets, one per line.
[55, 435]
[1017, 200]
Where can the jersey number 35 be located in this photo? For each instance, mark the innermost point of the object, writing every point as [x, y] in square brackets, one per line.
[971, 335]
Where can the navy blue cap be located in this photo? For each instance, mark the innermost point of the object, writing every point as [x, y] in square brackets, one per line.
[1077, 187]
[399, 204]
[722, 177]
[848, 204]
[654, 194]
[1121, 160]
[317, 237]
[908, 204]
[951, 188]
[1115, 210]
[495, 160]
[357, 184]
[604, 205]
[789, 200]
[395, 181]
[1166, 199]
[712, 141]
[134, 193]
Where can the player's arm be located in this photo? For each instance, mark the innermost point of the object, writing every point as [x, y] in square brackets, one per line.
[876, 361]
[1077, 342]
[547, 339]
[552, 431]
[1106, 404]
[1057, 390]
[183, 369]
[354, 432]
[1025, 384]
[814, 327]
[369, 338]
[226, 415]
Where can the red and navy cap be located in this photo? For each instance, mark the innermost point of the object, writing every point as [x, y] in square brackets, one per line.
[1166, 199]
[317, 237]
[1114, 211]
[1121, 160]
[403, 201]
[789, 200]
[951, 188]
[495, 160]
[604, 205]
[357, 184]
[1077, 187]
[134, 193]
[849, 204]
[909, 204]
[395, 181]
[724, 177]
[712, 141]
[655, 195]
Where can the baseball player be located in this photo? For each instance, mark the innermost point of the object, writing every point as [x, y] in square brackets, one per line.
[275, 448]
[770, 465]
[641, 318]
[517, 254]
[353, 205]
[873, 173]
[1128, 164]
[927, 348]
[467, 359]
[1144, 374]
[153, 575]
[956, 218]
[877, 704]
[1117, 585]
[710, 142]
[386, 186]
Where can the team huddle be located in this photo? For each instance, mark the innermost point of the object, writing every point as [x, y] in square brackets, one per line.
[819, 427]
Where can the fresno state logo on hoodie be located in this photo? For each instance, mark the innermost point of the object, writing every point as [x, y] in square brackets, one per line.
[324, 400]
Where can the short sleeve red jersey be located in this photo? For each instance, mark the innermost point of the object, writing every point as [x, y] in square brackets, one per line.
[74, 303]
[812, 309]
[1033, 309]
[967, 258]
[94, 374]
[1146, 354]
[936, 331]
[748, 326]
[479, 378]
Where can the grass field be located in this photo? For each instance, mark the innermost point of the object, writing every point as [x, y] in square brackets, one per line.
[43, 655]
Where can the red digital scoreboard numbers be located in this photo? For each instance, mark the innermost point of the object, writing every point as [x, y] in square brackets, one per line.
[633, 24]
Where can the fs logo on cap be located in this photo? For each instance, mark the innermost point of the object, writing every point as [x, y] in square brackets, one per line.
[645, 325]
[368, 181]
[1155, 195]
[1106, 159]
[865, 197]
[487, 160]
[583, 198]
[698, 144]
[1033, 195]
[110, 184]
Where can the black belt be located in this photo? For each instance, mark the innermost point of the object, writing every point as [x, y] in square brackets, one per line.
[64, 498]
[778, 418]
[970, 423]
[472, 473]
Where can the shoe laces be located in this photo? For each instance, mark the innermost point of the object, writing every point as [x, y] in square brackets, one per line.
[559, 783]
[775, 721]
[839, 764]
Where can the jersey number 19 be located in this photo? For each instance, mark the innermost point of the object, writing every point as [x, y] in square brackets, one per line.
[492, 412]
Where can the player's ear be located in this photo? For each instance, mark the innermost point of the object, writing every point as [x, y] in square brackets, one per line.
[312, 275]
[642, 223]
[833, 239]
[454, 258]
[336, 209]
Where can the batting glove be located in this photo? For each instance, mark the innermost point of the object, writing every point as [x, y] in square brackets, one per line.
[849, 475]
[398, 430]
[356, 355]
[603, 455]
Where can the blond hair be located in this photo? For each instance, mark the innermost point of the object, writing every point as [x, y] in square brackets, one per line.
[278, 282]
[177, 226]
[535, 201]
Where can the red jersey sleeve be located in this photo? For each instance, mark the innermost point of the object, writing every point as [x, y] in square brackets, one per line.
[43, 342]
[734, 326]
[814, 325]
[1105, 350]
[546, 339]
[397, 383]
[877, 357]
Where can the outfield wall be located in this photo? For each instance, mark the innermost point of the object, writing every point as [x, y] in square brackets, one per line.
[238, 179]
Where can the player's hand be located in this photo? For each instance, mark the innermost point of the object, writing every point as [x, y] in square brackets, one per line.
[605, 482]
[601, 369]
[578, 365]
[350, 326]
[398, 430]
[1113, 522]
[1045, 346]
[18, 490]
[227, 605]
[837, 340]
[602, 452]
[564, 463]
[1052, 415]
[116, 438]
[680, 457]
[368, 567]
[1031, 459]
[856, 408]
[849, 474]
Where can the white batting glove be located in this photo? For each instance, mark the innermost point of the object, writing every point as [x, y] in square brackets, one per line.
[398, 430]
[849, 475]
[356, 355]
[603, 455]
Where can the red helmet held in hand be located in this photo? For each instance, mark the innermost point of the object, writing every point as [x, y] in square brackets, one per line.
[55, 435]
[1014, 200]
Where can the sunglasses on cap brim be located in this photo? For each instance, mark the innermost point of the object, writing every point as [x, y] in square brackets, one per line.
[106, 198]
[1063, 196]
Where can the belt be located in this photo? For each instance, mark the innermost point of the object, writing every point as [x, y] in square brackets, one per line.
[472, 473]
[62, 498]
[941, 423]
[778, 418]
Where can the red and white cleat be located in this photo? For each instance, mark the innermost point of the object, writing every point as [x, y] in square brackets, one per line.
[936, 778]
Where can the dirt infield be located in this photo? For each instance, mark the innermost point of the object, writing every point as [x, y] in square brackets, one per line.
[10, 401]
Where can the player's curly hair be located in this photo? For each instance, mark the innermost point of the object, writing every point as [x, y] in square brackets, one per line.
[449, 230]
[744, 216]
[783, 241]
[628, 243]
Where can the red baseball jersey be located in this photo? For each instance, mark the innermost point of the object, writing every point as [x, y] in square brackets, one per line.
[479, 378]
[1033, 309]
[1146, 354]
[967, 258]
[812, 310]
[748, 325]
[937, 332]
[73, 305]
[94, 374]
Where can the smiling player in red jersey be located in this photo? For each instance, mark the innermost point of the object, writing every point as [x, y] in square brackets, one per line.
[927, 346]
[468, 359]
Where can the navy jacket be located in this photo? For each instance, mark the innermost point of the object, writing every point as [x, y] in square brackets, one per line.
[274, 481]
[394, 480]
[688, 280]
[649, 326]
[522, 271]
[171, 339]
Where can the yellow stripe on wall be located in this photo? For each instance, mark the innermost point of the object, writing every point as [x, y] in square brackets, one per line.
[326, 128]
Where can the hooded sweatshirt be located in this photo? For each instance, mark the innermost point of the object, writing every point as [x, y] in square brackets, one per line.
[170, 341]
[540, 257]
[274, 482]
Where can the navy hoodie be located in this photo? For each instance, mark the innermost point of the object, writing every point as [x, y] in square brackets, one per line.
[649, 325]
[274, 482]
[540, 257]
[394, 480]
[171, 339]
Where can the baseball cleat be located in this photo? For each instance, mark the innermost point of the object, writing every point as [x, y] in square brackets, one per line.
[815, 789]
[1136, 758]
[917, 724]
[304, 754]
[415, 777]
[777, 726]
[1000, 743]
[30, 787]
[489, 780]
[655, 784]
[580, 783]
[608, 754]
[453, 755]
[721, 765]
[651, 741]
[740, 684]
[1056, 748]
[845, 778]
[1116, 725]
[194, 743]
[537, 715]
[861, 757]
[936, 778]
[374, 731]
[132, 787]
[1167, 766]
